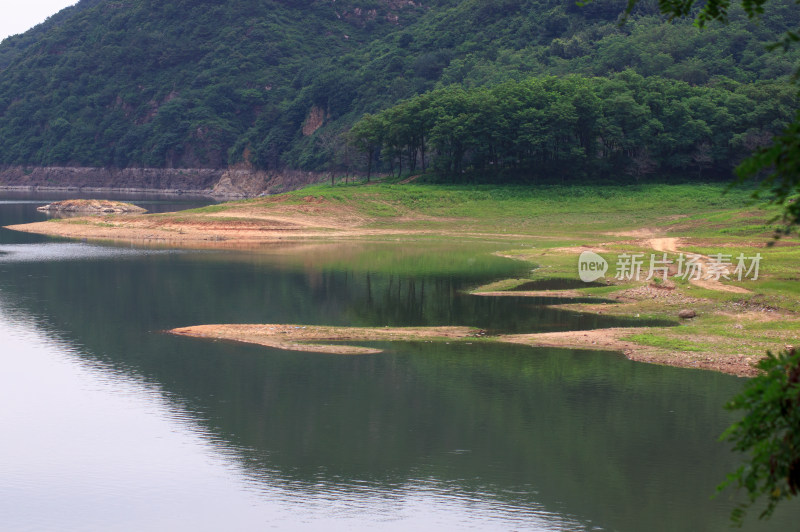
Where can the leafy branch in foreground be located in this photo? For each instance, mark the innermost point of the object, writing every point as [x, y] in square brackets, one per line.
[768, 433]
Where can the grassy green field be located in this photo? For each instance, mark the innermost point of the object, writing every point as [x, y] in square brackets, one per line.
[529, 209]
[526, 209]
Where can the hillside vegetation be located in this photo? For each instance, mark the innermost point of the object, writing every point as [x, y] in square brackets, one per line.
[578, 127]
[275, 84]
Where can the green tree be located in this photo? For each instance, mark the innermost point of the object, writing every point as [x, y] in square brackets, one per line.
[781, 186]
[573, 127]
[776, 166]
[366, 136]
[769, 433]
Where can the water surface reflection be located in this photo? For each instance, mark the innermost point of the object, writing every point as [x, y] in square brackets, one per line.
[113, 424]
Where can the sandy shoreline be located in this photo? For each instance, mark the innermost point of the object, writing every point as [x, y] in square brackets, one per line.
[241, 225]
[615, 340]
[311, 338]
[286, 219]
[531, 293]
[146, 231]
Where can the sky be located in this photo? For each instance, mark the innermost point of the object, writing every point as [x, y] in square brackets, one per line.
[18, 17]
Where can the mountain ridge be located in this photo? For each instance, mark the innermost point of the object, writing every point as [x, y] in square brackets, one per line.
[210, 84]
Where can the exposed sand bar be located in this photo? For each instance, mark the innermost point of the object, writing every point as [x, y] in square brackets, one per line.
[198, 231]
[311, 339]
[531, 293]
[614, 339]
[270, 220]
[91, 207]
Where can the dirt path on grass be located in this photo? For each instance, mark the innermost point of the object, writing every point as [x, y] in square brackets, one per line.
[671, 245]
[596, 339]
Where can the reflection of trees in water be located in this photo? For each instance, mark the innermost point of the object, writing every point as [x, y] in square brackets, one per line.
[586, 431]
[374, 300]
[179, 290]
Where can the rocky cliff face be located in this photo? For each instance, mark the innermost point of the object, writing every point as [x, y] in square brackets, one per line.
[183, 180]
[223, 184]
[239, 183]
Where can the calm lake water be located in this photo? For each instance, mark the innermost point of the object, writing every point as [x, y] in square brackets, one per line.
[109, 424]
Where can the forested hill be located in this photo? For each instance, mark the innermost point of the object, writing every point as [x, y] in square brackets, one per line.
[277, 83]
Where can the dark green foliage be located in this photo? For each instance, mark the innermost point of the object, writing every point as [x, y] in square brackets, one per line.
[776, 165]
[781, 183]
[768, 433]
[576, 126]
[212, 83]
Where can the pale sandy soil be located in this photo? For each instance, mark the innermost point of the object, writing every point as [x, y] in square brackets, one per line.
[580, 249]
[206, 229]
[202, 232]
[91, 207]
[531, 293]
[240, 226]
[271, 220]
[671, 245]
[310, 337]
[615, 340]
